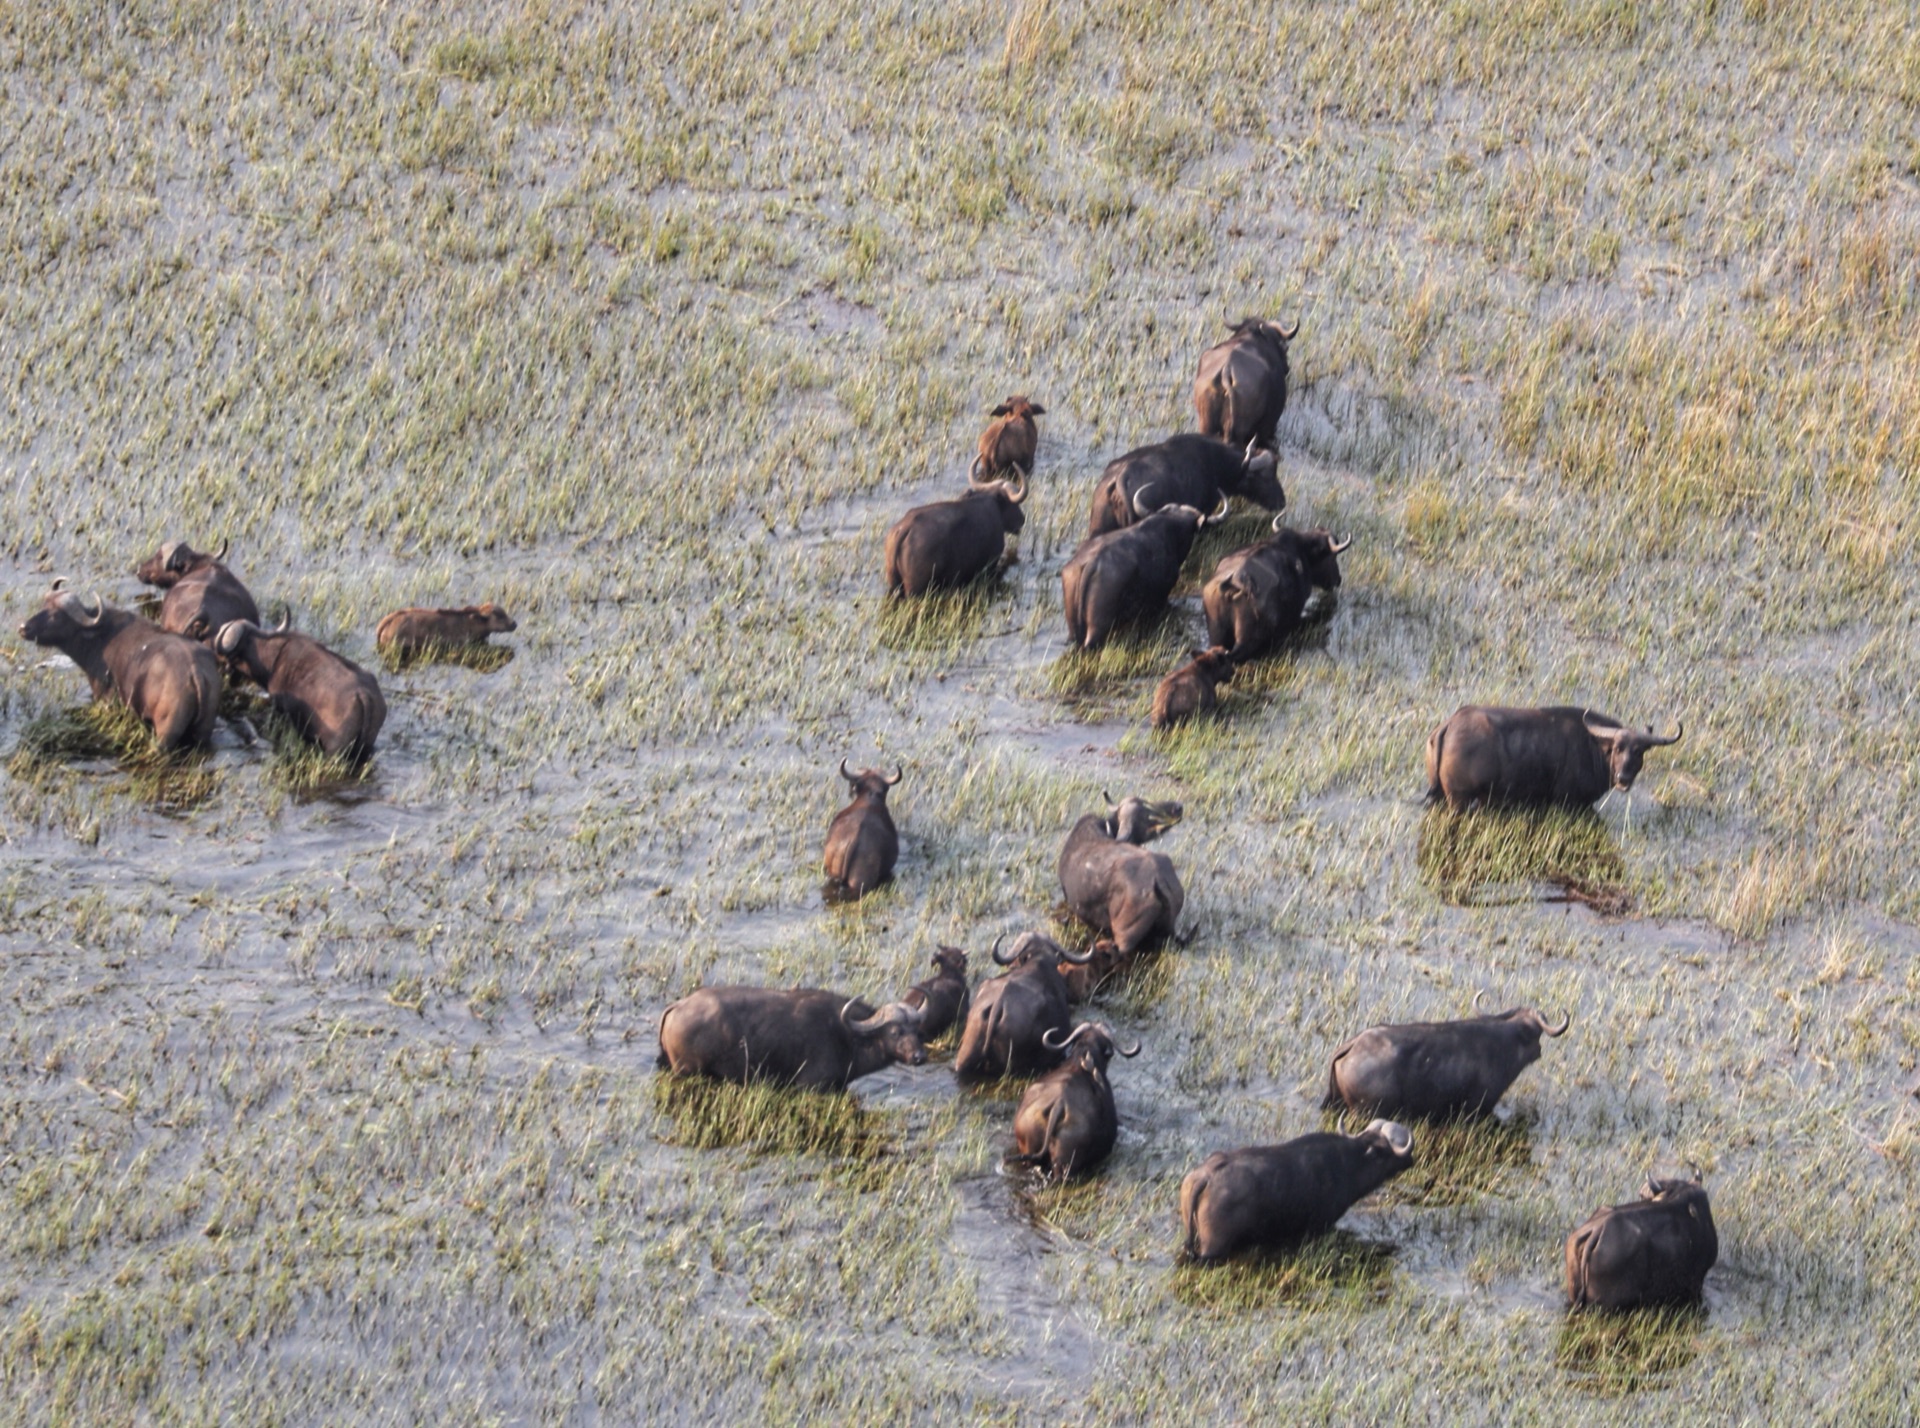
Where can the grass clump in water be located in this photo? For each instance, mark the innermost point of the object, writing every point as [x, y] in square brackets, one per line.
[108, 731]
[712, 1115]
[1338, 1270]
[1614, 1354]
[1503, 855]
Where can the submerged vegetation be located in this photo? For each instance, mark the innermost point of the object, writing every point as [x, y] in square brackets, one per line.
[332, 1098]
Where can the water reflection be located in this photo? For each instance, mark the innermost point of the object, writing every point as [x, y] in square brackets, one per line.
[1506, 855]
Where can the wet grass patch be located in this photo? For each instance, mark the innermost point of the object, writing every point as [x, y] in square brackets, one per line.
[1334, 1271]
[1149, 648]
[1489, 856]
[1459, 1161]
[1613, 1354]
[481, 658]
[945, 620]
[107, 732]
[711, 1115]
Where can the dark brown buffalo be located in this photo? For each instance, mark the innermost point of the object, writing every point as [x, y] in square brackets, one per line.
[1066, 1122]
[862, 843]
[1240, 388]
[171, 682]
[945, 544]
[1485, 754]
[808, 1038]
[1129, 573]
[329, 700]
[1258, 593]
[1184, 470]
[1118, 887]
[202, 593]
[418, 631]
[1277, 1195]
[1008, 444]
[943, 997]
[1190, 689]
[1011, 1015]
[1651, 1251]
[1437, 1069]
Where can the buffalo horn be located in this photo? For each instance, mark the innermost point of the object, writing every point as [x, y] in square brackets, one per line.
[843, 771]
[1397, 1135]
[1253, 445]
[224, 543]
[1654, 742]
[99, 609]
[1132, 1051]
[1479, 997]
[1046, 1037]
[973, 473]
[862, 1026]
[166, 553]
[1566, 1020]
[1079, 959]
[1017, 494]
[228, 640]
[1218, 514]
[1334, 547]
[1138, 496]
[286, 621]
[1275, 527]
[59, 584]
[1287, 335]
[995, 953]
[1603, 732]
[898, 770]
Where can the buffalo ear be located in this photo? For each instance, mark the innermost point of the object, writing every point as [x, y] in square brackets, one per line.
[1000, 410]
[196, 628]
[1036, 409]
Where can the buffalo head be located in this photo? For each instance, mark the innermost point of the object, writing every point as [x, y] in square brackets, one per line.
[1625, 748]
[870, 782]
[896, 1027]
[1135, 820]
[1097, 1044]
[1260, 478]
[64, 616]
[175, 559]
[1033, 947]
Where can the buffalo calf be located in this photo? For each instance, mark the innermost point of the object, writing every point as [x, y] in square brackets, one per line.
[862, 844]
[1191, 689]
[1008, 444]
[1651, 1251]
[1278, 1195]
[417, 631]
[942, 998]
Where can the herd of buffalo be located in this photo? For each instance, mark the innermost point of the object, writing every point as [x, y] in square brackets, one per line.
[169, 672]
[1148, 507]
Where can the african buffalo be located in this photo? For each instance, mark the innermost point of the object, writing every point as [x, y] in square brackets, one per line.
[171, 682]
[417, 631]
[1654, 1250]
[943, 997]
[1128, 573]
[1258, 593]
[808, 1038]
[947, 543]
[1240, 389]
[1066, 1122]
[202, 593]
[1008, 444]
[329, 700]
[1011, 1014]
[1562, 755]
[861, 842]
[1190, 689]
[1184, 470]
[1115, 885]
[1278, 1195]
[1437, 1069]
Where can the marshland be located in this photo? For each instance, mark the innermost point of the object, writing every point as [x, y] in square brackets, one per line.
[328, 1095]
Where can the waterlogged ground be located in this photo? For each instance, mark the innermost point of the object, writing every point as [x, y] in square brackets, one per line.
[335, 1101]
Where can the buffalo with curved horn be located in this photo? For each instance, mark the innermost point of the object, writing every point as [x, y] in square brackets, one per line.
[1652, 1251]
[1127, 574]
[1562, 755]
[172, 683]
[1066, 1122]
[862, 843]
[202, 593]
[1437, 1069]
[1184, 470]
[945, 544]
[330, 701]
[1012, 1014]
[813, 1039]
[1278, 1195]
[1240, 387]
[1116, 885]
[1258, 594]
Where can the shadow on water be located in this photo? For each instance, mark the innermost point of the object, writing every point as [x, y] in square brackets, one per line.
[1455, 1162]
[1492, 856]
[482, 658]
[715, 1115]
[1338, 1270]
[944, 619]
[1610, 1355]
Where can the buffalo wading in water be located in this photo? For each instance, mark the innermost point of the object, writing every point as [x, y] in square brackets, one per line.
[172, 683]
[944, 545]
[202, 593]
[1485, 754]
[1011, 1015]
[1129, 573]
[1652, 1251]
[1275, 1196]
[809, 1038]
[1192, 689]
[942, 997]
[1008, 443]
[862, 843]
[1240, 388]
[1119, 888]
[1259, 593]
[1437, 1069]
[1066, 1122]
[416, 631]
[1184, 470]
[330, 701]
